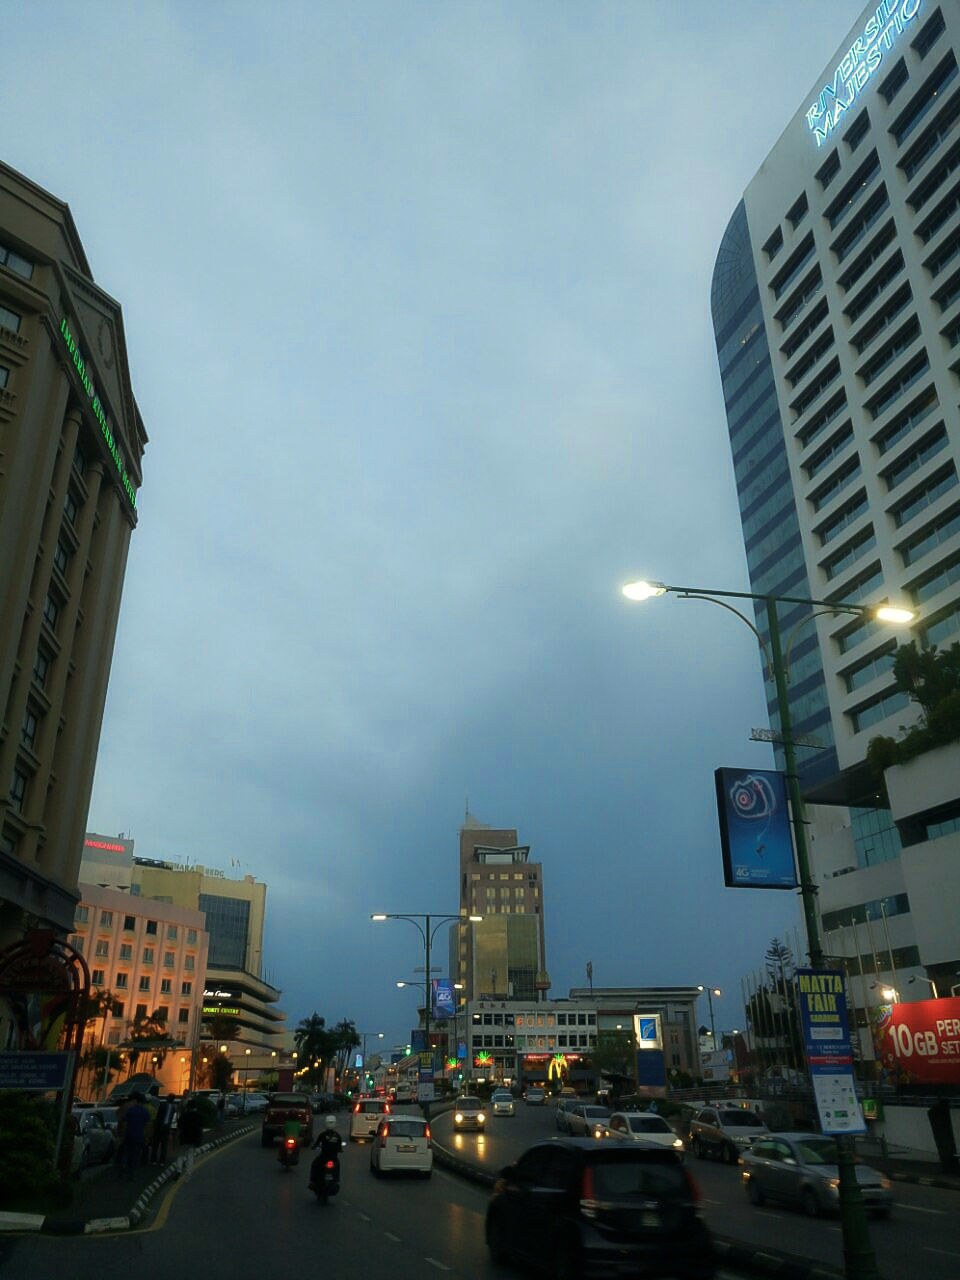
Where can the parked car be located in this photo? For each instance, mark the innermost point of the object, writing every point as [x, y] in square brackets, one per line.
[641, 1126]
[281, 1108]
[323, 1103]
[724, 1131]
[565, 1104]
[501, 1103]
[110, 1117]
[366, 1116]
[402, 1144]
[535, 1096]
[93, 1143]
[586, 1120]
[576, 1207]
[468, 1114]
[801, 1169]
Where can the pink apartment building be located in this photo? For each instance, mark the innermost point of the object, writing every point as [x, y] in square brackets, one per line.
[151, 956]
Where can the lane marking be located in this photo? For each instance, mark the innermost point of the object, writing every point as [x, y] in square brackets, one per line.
[918, 1208]
[391, 1236]
[362, 1216]
[441, 1266]
[946, 1252]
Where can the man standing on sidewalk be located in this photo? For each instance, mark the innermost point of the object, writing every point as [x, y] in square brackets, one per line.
[191, 1136]
[133, 1138]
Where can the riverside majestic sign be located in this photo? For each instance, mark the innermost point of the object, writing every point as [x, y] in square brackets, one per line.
[861, 61]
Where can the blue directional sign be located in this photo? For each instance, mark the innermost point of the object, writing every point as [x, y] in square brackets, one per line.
[41, 1072]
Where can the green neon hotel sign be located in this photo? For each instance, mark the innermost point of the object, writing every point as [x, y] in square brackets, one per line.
[81, 367]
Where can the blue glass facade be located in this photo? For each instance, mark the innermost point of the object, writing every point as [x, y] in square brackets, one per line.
[768, 513]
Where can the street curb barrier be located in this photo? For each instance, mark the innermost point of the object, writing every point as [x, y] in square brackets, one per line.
[49, 1226]
[758, 1260]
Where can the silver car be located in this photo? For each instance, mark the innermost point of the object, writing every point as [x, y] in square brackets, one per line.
[501, 1103]
[587, 1121]
[642, 1126]
[801, 1168]
[724, 1130]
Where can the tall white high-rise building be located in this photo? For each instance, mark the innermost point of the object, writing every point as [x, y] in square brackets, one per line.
[836, 310]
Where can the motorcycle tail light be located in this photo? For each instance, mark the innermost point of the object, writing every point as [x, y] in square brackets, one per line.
[328, 1165]
[289, 1143]
[693, 1185]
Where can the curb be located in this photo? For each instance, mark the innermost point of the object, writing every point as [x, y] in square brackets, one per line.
[921, 1180]
[21, 1222]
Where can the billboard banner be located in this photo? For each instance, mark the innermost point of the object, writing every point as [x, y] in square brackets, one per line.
[442, 998]
[822, 1002]
[919, 1043]
[755, 829]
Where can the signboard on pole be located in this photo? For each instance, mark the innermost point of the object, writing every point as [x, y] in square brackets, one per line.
[919, 1043]
[441, 995]
[39, 1072]
[425, 1090]
[755, 832]
[826, 1037]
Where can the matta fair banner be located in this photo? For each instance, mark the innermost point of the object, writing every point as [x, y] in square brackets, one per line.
[919, 1043]
[822, 1003]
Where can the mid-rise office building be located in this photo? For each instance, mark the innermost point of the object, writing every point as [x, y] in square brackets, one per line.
[502, 955]
[233, 913]
[71, 444]
[836, 310]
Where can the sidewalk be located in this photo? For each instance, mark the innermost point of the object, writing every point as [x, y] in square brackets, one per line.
[108, 1199]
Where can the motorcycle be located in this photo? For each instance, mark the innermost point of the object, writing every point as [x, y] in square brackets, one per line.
[325, 1181]
[289, 1153]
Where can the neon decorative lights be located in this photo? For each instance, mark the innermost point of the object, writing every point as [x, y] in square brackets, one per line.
[81, 367]
[858, 64]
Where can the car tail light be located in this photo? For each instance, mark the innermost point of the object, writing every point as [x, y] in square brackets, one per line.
[427, 1135]
[588, 1202]
[386, 1108]
[693, 1185]
[384, 1134]
[356, 1109]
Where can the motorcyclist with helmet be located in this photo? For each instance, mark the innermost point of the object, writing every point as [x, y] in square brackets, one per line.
[330, 1144]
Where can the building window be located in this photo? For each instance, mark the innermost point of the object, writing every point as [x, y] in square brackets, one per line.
[168, 959]
[183, 1015]
[186, 988]
[166, 987]
[18, 790]
[151, 926]
[103, 948]
[13, 262]
[129, 924]
[96, 977]
[70, 507]
[191, 937]
[81, 915]
[61, 557]
[77, 944]
[171, 933]
[106, 919]
[163, 1013]
[120, 982]
[188, 964]
[145, 983]
[113, 1037]
[41, 666]
[141, 1011]
[4, 375]
[51, 612]
[148, 955]
[126, 951]
[894, 82]
[9, 319]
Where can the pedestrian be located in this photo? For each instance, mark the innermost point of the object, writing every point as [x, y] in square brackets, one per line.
[161, 1131]
[191, 1136]
[152, 1105]
[135, 1119]
[221, 1105]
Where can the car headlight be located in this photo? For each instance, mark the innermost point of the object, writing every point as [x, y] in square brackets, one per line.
[886, 1184]
[834, 1183]
[678, 1143]
[480, 1118]
[458, 1118]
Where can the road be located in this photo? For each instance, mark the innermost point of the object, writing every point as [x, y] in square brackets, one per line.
[921, 1237]
[242, 1215]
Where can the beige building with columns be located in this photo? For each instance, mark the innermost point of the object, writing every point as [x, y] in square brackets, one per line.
[71, 445]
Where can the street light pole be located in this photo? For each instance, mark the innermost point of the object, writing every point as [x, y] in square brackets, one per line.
[858, 1252]
[711, 992]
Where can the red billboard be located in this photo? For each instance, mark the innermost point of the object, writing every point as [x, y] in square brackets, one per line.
[919, 1043]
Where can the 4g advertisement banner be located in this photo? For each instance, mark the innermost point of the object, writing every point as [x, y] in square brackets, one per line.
[919, 1043]
[755, 831]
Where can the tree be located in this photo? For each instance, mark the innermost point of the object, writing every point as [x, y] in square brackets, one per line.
[222, 1027]
[214, 1069]
[346, 1039]
[613, 1053]
[931, 679]
[151, 1030]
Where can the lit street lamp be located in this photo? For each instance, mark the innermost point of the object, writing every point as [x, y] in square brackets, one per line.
[711, 992]
[427, 931]
[857, 1249]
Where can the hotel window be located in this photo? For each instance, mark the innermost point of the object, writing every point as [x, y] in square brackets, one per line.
[77, 944]
[151, 926]
[41, 665]
[141, 1011]
[18, 790]
[81, 915]
[96, 977]
[928, 36]
[148, 955]
[120, 982]
[186, 988]
[70, 507]
[166, 987]
[192, 937]
[9, 319]
[894, 82]
[103, 948]
[188, 964]
[13, 262]
[113, 1037]
[51, 612]
[798, 211]
[61, 557]
[168, 959]
[79, 461]
[129, 924]
[106, 919]
[171, 933]
[145, 982]
[126, 951]
[4, 375]
[163, 1012]
[183, 1015]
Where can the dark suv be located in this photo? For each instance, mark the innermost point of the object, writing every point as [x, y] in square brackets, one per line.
[583, 1208]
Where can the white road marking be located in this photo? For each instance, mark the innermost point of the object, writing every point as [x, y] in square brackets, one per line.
[362, 1216]
[704, 1200]
[918, 1208]
[946, 1252]
[391, 1236]
[439, 1265]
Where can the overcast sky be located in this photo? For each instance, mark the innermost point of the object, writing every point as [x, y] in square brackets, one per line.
[416, 299]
